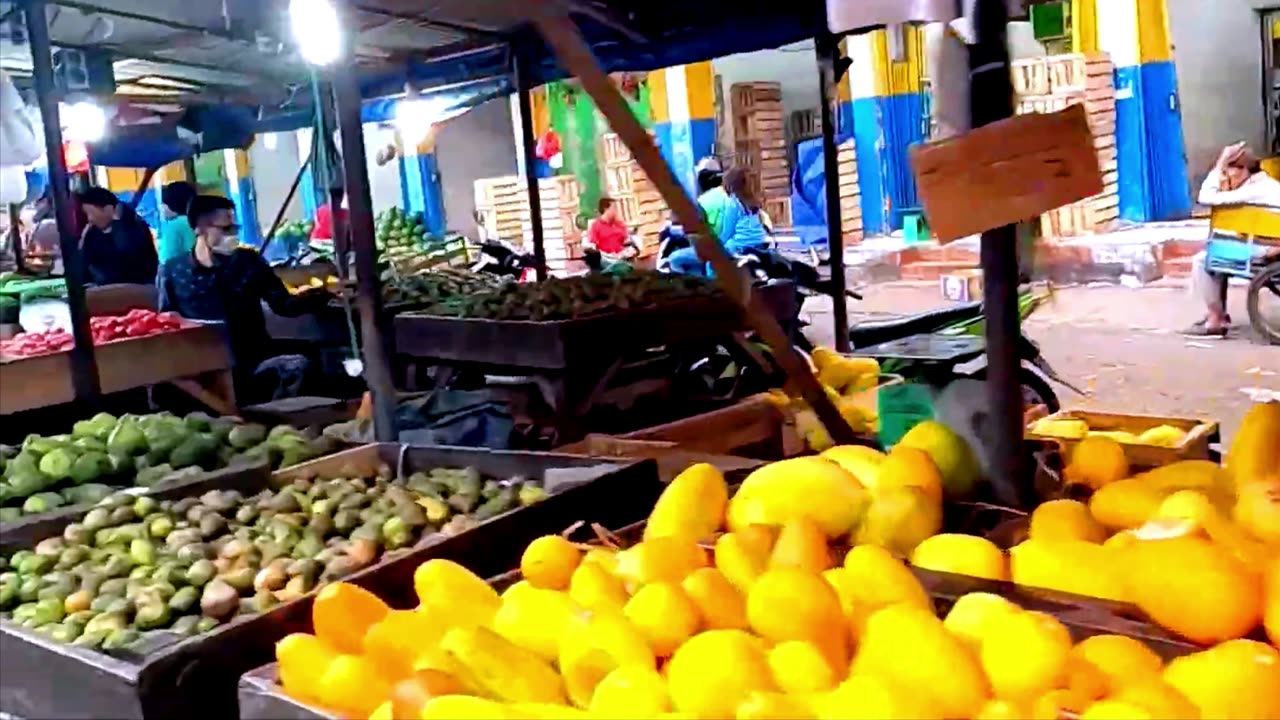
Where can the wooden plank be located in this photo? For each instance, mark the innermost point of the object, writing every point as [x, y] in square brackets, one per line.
[1006, 172]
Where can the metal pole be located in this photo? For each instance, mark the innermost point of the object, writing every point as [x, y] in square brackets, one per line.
[524, 90]
[991, 100]
[84, 367]
[828, 50]
[284, 206]
[377, 366]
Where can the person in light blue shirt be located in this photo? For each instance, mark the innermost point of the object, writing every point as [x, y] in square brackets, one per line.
[176, 236]
[737, 224]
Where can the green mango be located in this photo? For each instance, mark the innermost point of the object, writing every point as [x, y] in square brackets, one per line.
[90, 466]
[56, 464]
[127, 439]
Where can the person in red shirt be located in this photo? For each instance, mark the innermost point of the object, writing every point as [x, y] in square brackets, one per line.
[608, 234]
[323, 229]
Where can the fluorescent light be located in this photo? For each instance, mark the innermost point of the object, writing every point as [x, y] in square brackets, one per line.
[316, 30]
[269, 141]
[84, 121]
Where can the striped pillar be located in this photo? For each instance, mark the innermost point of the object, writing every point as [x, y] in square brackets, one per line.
[240, 191]
[420, 184]
[682, 100]
[1151, 151]
[887, 110]
[124, 183]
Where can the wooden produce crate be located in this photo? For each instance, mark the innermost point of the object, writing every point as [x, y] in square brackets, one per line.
[1201, 434]
[671, 458]
[850, 192]
[1052, 83]
[45, 380]
[753, 427]
[760, 137]
[779, 211]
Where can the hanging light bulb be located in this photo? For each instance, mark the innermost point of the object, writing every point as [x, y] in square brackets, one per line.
[414, 118]
[84, 122]
[316, 30]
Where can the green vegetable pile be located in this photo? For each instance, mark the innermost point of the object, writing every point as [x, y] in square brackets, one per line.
[134, 565]
[105, 452]
[296, 230]
[434, 286]
[404, 247]
[565, 298]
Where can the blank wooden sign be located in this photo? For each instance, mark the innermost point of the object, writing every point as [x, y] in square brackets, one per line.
[1006, 172]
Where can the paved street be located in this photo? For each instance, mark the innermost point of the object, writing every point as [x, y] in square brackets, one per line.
[1120, 344]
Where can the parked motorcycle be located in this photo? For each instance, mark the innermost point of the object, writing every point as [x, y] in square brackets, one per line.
[499, 257]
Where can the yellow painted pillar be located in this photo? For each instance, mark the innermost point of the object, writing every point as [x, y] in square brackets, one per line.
[1084, 26]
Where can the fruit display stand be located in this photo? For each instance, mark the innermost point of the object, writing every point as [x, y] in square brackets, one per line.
[1198, 435]
[261, 696]
[168, 674]
[577, 357]
[194, 359]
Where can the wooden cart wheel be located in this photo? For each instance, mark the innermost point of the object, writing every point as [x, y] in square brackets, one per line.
[1266, 284]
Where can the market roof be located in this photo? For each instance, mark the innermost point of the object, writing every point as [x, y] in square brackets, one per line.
[239, 51]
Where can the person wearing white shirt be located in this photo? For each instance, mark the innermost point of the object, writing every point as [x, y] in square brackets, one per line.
[1236, 179]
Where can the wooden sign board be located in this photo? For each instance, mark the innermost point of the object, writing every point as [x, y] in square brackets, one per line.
[1006, 172]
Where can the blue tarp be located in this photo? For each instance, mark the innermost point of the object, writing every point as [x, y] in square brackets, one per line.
[809, 193]
[211, 127]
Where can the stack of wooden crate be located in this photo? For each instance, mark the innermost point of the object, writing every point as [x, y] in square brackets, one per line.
[760, 137]
[503, 205]
[638, 199]
[850, 193]
[1053, 83]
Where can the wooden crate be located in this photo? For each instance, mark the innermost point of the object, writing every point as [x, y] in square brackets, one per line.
[613, 149]
[1054, 83]
[1200, 433]
[779, 211]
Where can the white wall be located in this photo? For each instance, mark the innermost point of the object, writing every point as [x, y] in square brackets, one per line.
[384, 180]
[273, 171]
[1218, 55]
[478, 144]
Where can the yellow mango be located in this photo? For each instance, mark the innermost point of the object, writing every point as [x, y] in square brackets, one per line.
[1255, 451]
[692, 505]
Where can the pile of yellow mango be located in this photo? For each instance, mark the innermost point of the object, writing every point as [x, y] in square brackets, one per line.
[330, 282]
[740, 606]
[1070, 428]
[847, 382]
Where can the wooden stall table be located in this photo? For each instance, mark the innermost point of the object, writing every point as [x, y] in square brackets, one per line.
[579, 362]
[194, 359]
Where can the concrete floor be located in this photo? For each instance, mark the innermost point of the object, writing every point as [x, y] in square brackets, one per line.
[1120, 344]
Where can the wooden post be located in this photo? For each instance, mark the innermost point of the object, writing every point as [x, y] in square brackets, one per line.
[828, 50]
[564, 39]
[84, 367]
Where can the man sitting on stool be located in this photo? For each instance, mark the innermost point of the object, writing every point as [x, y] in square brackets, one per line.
[221, 281]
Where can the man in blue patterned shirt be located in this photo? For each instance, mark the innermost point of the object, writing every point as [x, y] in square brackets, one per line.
[221, 281]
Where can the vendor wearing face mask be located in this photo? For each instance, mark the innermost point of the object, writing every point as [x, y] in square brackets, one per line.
[221, 281]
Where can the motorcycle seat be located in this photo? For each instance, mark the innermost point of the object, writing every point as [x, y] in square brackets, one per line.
[875, 332]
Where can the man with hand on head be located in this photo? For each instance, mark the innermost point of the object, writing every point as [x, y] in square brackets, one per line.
[221, 281]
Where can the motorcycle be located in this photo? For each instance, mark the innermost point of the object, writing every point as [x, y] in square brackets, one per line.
[499, 257]
[936, 347]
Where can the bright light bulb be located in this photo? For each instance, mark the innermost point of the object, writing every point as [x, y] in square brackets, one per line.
[316, 30]
[84, 122]
[269, 141]
[415, 117]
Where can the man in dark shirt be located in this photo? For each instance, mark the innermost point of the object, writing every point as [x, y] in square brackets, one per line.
[221, 281]
[117, 244]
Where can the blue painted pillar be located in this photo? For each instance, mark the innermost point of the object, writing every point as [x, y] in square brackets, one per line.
[682, 100]
[1153, 178]
[420, 188]
[886, 111]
